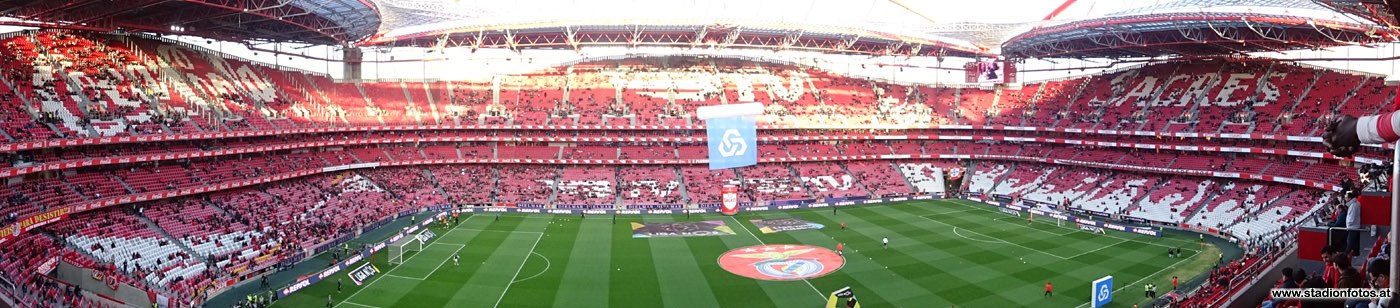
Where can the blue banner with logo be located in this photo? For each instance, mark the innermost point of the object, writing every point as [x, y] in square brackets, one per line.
[733, 142]
[1103, 291]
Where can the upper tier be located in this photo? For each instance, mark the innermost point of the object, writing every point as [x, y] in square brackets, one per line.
[118, 86]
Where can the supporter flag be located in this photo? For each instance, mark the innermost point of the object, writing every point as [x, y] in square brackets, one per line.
[732, 142]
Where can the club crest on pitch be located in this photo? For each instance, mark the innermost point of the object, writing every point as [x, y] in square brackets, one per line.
[781, 262]
[789, 269]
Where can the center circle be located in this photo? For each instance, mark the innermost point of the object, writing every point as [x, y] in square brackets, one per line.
[781, 262]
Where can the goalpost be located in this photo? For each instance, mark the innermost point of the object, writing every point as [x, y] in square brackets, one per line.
[401, 247]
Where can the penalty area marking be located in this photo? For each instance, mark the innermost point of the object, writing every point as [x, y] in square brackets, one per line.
[404, 277]
[444, 261]
[1037, 229]
[953, 212]
[1002, 241]
[546, 267]
[357, 304]
[386, 273]
[1100, 248]
[1110, 234]
[955, 232]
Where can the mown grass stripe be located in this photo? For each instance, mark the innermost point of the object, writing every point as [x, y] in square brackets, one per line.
[489, 282]
[634, 275]
[729, 290]
[538, 284]
[590, 264]
[928, 264]
[682, 284]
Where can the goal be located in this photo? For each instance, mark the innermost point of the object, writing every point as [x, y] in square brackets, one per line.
[399, 248]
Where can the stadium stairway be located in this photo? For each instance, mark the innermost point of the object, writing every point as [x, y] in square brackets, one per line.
[352, 155]
[743, 184]
[1137, 204]
[379, 116]
[1209, 199]
[1254, 212]
[1155, 97]
[432, 103]
[554, 185]
[858, 183]
[74, 189]
[807, 189]
[1312, 84]
[680, 178]
[495, 178]
[1001, 178]
[166, 234]
[220, 208]
[119, 180]
[408, 97]
[1078, 92]
[903, 176]
[387, 191]
[427, 174]
[617, 192]
[793, 174]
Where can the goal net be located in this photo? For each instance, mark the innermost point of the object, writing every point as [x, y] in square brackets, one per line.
[401, 247]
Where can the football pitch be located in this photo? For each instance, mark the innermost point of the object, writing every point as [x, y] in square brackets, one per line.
[941, 252]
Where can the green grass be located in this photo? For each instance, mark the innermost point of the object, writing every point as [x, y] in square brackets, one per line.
[941, 253]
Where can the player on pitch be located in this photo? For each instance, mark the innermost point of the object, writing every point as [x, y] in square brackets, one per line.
[1049, 289]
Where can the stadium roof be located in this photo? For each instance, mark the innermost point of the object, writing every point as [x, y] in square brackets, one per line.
[312, 21]
[860, 27]
[1197, 28]
[1019, 28]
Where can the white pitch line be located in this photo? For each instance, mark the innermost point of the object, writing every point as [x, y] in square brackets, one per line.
[404, 277]
[444, 261]
[760, 242]
[500, 231]
[1037, 229]
[1145, 278]
[540, 235]
[955, 232]
[1100, 248]
[1110, 234]
[954, 212]
[1010, 243]
[371, 283]
[358, 304]
[547, 264]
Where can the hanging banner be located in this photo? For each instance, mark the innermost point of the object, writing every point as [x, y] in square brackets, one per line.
[732, 142]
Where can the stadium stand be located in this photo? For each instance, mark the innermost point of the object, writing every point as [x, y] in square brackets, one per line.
[147, 87]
